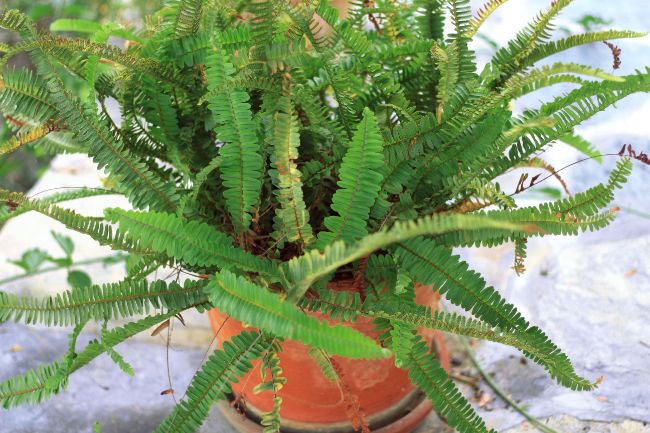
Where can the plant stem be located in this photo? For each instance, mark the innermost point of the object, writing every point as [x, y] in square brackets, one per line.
[54, 268]
[501, 393]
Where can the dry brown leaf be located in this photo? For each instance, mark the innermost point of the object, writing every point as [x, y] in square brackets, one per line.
[160, 327]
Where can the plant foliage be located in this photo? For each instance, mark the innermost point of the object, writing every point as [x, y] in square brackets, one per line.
[271, 148]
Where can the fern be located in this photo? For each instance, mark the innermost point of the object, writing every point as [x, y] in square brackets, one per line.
[192, 242]
[284, 139]
[425, 372]
[271, 148]
[271, 420]
[38, 385]
[188, 17]
[360, 171]
[252, 304]
[107, 302]
[212, 383]
[241, 164]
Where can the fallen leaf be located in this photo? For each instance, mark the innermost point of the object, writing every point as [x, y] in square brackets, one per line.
[16, 348]
[167, 391]
[632, 272]
[160, 327]
[602, 398]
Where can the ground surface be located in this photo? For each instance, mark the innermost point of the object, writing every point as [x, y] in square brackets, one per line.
[590, 294]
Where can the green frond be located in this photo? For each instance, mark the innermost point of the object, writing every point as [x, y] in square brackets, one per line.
[33, 386]
[582, 145]
[93, 227]
[242, 164]
[38, 385]
[188, 17]
[509, 59]
[481, 15]
[568, 216]
[520, 256]
[58, 198]
[61, 47]
[532, 342]
[553, 47]
[192, 242]
[447, 62]
[460, 13]
[430, 18]
[79, 25]
[14, 20]
[213, 382]
[284, 139]
[426, 373]
[257, 306]
[141, 186]
[359, 178]
[538, 78]
[106, 302]
[24, 96]
[323, 361]
[271, 362]
[339, 305]
[434, 265]
[303, 271]
[402, 338]
[190, 50]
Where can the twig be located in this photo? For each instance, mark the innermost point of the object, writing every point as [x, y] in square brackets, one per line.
[498, 391]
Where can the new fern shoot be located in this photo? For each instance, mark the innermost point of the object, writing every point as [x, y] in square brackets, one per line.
[270, 147]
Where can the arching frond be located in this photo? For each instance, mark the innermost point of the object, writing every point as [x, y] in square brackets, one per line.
[253, 304]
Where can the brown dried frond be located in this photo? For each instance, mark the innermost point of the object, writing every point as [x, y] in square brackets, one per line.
[616, 54]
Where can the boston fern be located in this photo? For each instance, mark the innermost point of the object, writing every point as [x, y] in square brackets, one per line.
[270, 147]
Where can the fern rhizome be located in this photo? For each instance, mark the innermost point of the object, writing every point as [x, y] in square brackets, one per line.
[271, 147]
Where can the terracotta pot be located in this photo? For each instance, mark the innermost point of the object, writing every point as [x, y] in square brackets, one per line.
[311, 403]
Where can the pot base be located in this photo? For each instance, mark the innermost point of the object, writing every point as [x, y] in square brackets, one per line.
[404, 417]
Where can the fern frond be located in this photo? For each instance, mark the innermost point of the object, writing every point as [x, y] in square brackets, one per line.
[359, 178]
[284, 139]
[24, 95]
[568, 216]
[26, 137]
[550, 48]
[271, 420]
[93, 227]
[434, 265]
[532, 342]
[213, 382]
[105, 302]
[242, 164]
[58, 198]
[192, 242]
[402, 338]
[14, 20]
[339, 305]
[447, 62]
[38, 385]
[143, 188]
[188, 17]
[430, 18]
[426, 373]
[520, 256]
[253, 304]
[303, 271]
[481, 15]
[582, 145]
